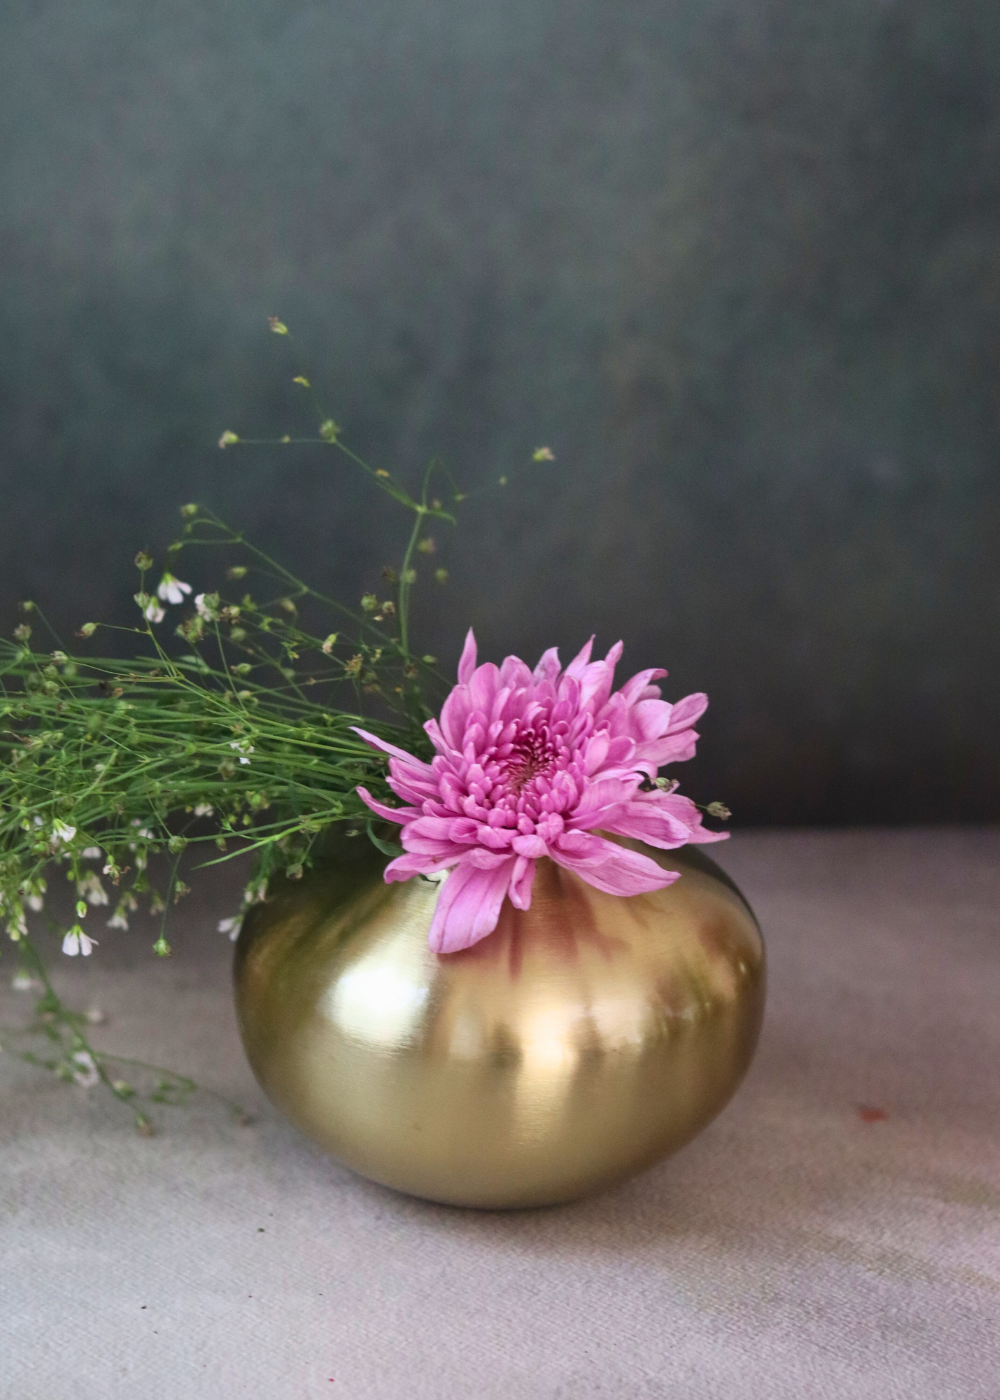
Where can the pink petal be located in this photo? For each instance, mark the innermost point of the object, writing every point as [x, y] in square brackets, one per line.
[468, 906]
[521, 882]
[408, 788]
[600, 802]
[531, 847]
[596, 752]
[651, 718]
[483, 686]
[672, 748]
[701, 836]
[647, 819]
[391, 814]
[405, 867]
[456, 830]
[632, 690]
[664, 819]
[454, 716]
[580, 662]
[613, 869]
[467, 661]
[514, 673]
[424, 769]
[599, 677]
[687, 711]
[548, 667]
[433, 730]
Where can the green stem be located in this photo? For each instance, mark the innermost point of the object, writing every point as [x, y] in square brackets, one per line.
[405, 582]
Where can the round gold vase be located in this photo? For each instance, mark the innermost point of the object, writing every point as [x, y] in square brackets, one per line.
[583, 1040]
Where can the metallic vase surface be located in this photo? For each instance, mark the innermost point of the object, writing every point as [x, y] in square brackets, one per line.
[582, 1041]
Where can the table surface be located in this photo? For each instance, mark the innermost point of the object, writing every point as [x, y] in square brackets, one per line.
[835, 1233]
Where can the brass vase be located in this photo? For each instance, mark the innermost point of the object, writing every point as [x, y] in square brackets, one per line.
[582, 1041]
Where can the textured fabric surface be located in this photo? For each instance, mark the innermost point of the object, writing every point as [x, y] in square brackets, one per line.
[803, 1246]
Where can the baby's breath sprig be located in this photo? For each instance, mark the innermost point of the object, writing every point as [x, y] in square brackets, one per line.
[228, 732]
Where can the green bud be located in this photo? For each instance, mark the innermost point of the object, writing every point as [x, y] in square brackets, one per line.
[143, 560]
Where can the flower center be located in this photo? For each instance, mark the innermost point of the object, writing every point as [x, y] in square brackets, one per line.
[533, 755]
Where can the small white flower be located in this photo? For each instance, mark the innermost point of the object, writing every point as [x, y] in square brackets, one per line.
[34, 894]
[17, 928]
[85, 1070]
[172, 590]
[244, 748]
[118, 920]
[62, 832]
[25, 982]
[152, 612]
[204, 809]
[76, 942]
[92, 889]
[207, 605]
[92, 853]
[231, 926]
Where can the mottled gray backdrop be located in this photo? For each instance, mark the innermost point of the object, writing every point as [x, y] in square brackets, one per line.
[735, 261]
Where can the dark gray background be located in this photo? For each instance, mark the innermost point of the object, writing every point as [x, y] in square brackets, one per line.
[736, 261]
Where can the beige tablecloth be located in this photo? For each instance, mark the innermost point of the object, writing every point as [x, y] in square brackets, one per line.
[803, 1247]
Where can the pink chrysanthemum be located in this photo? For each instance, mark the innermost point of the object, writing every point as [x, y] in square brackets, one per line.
[531, 765]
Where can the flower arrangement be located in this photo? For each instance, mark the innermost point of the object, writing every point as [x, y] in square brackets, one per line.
[532, 764]
[241, 730]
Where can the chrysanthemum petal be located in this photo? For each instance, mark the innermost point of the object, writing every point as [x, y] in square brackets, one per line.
[384, 747]
[389, 814]
[467, 661]
[468, 906]
[609, 867]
